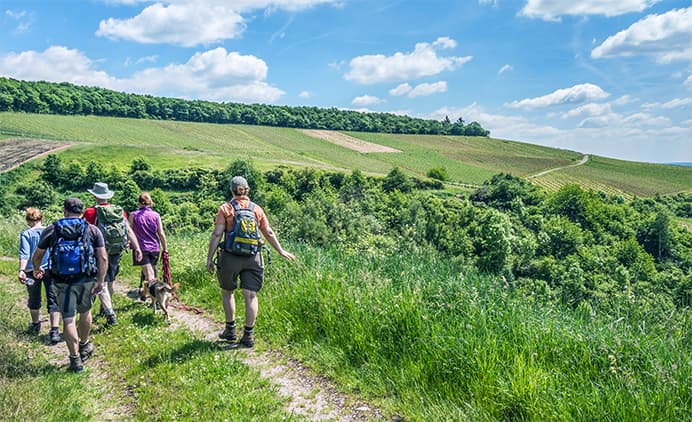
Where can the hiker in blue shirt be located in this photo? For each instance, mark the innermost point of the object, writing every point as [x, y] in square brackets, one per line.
[28, 240]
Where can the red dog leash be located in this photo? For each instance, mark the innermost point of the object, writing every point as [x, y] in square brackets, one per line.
[166, 269]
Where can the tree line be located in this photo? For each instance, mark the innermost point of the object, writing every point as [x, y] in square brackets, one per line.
[68, 99]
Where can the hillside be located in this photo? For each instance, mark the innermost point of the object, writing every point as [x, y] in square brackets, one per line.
[468, 160]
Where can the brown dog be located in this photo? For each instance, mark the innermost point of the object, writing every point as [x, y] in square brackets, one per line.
[160, 293]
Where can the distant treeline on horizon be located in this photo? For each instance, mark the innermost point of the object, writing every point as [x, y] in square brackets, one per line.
[69, 99]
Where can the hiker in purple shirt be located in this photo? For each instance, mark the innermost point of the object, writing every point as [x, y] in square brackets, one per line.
[146, 223]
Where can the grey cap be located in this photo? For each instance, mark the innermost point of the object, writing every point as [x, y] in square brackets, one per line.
[73, 205]
[238, 182]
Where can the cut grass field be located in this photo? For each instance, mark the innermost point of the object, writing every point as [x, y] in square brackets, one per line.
[470, 160]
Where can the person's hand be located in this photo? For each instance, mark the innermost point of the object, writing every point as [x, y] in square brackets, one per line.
[98, 287]
[287, 255]
[38, 273]
[210, 266]
[138, 255]
[22, 276]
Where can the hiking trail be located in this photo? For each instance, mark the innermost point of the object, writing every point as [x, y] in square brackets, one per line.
[583, 161]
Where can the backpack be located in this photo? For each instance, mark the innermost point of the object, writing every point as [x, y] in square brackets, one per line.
[244, 237]
[109, 219]
[70, 254]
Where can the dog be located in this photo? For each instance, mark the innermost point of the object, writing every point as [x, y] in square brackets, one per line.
[160, 294]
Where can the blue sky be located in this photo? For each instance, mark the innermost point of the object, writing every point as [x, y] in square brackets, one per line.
[611, 78]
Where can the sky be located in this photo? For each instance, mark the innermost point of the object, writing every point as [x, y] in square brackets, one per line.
[603, 77]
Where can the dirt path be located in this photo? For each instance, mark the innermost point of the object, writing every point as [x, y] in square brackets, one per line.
[583, 161]
[346, 141]
[311, 396]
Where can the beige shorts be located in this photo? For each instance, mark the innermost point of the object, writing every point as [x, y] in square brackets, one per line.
[249, 269]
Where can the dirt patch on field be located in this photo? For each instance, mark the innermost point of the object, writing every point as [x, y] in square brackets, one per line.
[346, 141]
[15, 152]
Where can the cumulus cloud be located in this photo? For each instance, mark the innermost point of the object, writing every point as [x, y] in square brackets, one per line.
[189, 23]
[214, 75]
[688, 82]
[55, 64]
[675, 103]
[574, 95]
[421, 90]
[423, 61]
[366, 100]
[666, 37]
[305, 94]
[505, 68]
[552, 10]
[628, 137]
[591, 109]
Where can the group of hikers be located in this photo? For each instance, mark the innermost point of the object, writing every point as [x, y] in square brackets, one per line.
[77, 258]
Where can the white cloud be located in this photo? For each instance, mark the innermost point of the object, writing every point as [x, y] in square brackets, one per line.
[675, 103]
[15, 14]
[421, 90]
[552, 10]
[489, 2]
[688, 82]
[192, 22]
[591, 109]
[505, 68]
[666, 37]
[400, 90]
[423, 61]
[305, 94]
[215, 75]
[55, 64]
[634, 137]
[574, 95]
[625, 99]
[182, 24]
[425, 89]
[366, 100]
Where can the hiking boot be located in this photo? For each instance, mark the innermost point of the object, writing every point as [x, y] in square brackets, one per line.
[76, 364]
[248, 339]
[228, 334]
[54, 335]
[85, 350]
[111, 319]
[34, 327]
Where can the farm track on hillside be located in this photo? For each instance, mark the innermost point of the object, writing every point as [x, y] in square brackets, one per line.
[15, 152]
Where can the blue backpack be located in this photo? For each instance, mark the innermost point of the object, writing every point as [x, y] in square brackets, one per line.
[244, 237]
[70, 254]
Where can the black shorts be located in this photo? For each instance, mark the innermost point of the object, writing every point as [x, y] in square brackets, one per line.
[35, 292]
[148, 257]
[113, 268]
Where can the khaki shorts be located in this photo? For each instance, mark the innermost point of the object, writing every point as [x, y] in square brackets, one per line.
[249, 269]
[74, 297]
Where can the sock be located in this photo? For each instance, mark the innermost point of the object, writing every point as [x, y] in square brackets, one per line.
[230, 324]
[249, 329]
[74, 356]
[83, 344]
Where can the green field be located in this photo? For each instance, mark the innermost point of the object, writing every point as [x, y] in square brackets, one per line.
[470, 160]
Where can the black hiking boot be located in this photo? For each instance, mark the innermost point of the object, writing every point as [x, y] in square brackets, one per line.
[248, 339]
[76, 364]
[228, 334]
[85, 351]
[34, 328]
[111, 319]
[54, 335]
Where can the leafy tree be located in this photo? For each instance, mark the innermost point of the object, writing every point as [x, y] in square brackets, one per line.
[397, 180]
[439, 173]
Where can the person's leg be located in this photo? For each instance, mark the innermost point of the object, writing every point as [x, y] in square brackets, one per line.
[69, 329]
[148, 272]
[34, 304]
[251, 307]
[53, 310]
[84, 327]
[228, 301]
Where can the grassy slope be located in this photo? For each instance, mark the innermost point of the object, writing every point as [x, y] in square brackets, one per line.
[468, 160]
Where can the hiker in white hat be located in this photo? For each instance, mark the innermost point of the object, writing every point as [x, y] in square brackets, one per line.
[112, 220]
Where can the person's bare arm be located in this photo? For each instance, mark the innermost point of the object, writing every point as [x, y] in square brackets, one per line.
[273, 240]
[101, 267]
[133, 242]
[36, 260]
[162, 236]
[213, 245]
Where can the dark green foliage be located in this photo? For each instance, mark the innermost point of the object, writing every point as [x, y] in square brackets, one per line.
[397, 180]
[65, 98]
[439, 173]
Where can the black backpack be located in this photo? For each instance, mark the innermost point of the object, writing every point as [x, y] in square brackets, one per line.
[244, 237]
[70, 254]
